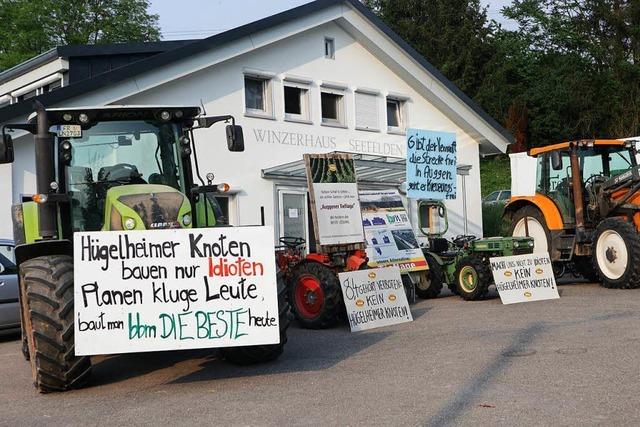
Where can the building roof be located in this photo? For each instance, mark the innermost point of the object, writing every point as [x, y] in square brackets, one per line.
[189, 48]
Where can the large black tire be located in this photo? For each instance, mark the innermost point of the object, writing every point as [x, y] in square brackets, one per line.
[613, 239]
[430, 282]
[314, 280]
[583, 265]
[250, 355]
[534, 214]
[47, 296]
[472, 278]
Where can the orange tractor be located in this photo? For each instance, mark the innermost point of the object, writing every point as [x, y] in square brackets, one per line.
[586, 209]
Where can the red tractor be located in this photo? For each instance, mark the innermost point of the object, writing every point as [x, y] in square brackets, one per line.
[312, 280]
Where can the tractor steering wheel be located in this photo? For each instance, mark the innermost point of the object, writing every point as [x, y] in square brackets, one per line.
[461, 240]
[292, 242]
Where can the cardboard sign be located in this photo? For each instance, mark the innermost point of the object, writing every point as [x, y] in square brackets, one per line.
[388, 234]
[431, 164]
[524, 278]
[374, 298]
[334, 198]
[174, 289]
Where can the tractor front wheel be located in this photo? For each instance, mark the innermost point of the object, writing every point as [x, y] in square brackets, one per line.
[616, 254]
[430, 282]
[472, 278]
[250, 355]
[46, 286]
[315, 295]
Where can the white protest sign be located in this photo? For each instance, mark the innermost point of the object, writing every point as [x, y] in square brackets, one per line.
[174, 289]
[374, 298]
[332, 185]
[524, 278]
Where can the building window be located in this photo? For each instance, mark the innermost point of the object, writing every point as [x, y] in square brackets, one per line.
[367, 116]
[257, 95]
[329, 48]
[395, 115]
[296, 102]
[332, 104]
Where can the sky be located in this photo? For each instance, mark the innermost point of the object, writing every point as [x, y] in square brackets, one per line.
[187, 19]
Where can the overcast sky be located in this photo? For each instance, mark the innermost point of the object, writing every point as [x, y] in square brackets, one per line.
[185, 19]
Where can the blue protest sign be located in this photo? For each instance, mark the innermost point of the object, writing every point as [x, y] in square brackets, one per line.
[431, 164]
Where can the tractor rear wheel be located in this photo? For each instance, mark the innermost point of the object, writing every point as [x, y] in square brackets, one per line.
[250, 355]
[616, 254]
[47, 298]
[531, 219]
[315, 295]
[430, 282]
[472, 278]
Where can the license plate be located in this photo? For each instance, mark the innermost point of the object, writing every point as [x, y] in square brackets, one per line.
[70, 131]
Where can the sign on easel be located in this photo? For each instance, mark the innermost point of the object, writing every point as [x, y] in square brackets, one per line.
[524, 278]
[374, 298]
[333, 194]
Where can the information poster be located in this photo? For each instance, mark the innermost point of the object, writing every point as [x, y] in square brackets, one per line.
[174, 289]
[431, 164]
[388, 234]
[374, 298]
[524, 278]
[334, 191]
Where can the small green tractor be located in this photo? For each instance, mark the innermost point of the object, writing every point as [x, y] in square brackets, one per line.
[462, 263]
[105, 169]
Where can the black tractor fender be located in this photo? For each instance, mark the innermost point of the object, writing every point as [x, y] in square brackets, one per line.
[40, 248]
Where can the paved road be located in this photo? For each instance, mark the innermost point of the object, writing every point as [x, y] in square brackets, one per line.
[574, 361]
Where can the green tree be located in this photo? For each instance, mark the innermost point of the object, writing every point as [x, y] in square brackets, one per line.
[30, 27]
[454, 35]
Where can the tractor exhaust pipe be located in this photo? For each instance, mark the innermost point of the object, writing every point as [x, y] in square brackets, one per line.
[45, 173]
[576, 180]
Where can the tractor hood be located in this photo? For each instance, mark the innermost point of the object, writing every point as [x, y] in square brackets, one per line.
[146, 207]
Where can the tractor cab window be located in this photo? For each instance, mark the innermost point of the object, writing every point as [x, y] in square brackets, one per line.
[607, 161]
[556, 183]
[117, 153]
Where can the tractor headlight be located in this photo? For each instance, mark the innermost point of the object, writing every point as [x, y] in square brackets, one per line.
[186, 220]
[84, 118]
[516, 244]
[531, 243]
[165, 116]
[129, 223]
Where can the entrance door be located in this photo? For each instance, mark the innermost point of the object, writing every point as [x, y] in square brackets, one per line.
[293, 213]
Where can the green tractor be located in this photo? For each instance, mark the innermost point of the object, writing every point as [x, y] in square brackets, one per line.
[105, 169]
[462, 263]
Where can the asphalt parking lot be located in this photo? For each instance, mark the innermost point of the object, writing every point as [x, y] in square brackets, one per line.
[573, 361]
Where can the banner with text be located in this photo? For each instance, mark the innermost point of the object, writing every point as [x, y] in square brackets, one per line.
[388, 234]
[334, 193]
[431, 164]
[174, 289]
[523, 278]
[374, 298]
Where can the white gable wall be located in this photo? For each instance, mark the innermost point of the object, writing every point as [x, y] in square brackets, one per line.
[221, 89]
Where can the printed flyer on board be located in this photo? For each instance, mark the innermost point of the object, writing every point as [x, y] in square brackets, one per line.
[389, 237]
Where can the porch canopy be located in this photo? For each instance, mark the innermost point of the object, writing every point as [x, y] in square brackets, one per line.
[371, 170]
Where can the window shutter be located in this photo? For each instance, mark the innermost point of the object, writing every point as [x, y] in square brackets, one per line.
[367, 111]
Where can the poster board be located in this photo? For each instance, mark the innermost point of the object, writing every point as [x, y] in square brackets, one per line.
[524, 278]
[388, 233]
[333, 195]
[431, 164]
[174, 289]
[374, 298]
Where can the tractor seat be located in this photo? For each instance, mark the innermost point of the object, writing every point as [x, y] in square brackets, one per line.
[438, 245]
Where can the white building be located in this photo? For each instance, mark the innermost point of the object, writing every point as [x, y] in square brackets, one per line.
[325, 76]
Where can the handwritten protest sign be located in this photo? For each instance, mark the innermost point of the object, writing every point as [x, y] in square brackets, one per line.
[374, 298]
[523, 278]
[431, 164]
[334, 198]
[174, 289]
[389, 237]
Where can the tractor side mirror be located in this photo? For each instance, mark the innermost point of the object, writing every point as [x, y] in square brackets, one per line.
[6, 149]
[432, 218]
[235, 138]
[556, 161]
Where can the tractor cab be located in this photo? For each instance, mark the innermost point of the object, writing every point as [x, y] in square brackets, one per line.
[118, 168]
